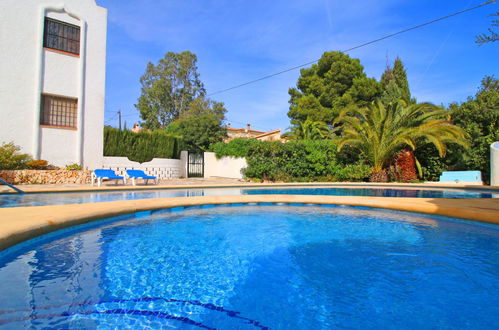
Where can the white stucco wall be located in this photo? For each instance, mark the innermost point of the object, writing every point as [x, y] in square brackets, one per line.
[183, 160]
[160, 167]
[56, 68]
[494, 164]
[27, 70]
[54, 145]
[225, 167]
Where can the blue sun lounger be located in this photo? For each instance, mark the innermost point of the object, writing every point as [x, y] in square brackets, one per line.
[139, 174]
[99, 175]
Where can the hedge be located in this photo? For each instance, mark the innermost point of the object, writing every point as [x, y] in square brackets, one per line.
[238, 147]
[141, 147]
[295, 161]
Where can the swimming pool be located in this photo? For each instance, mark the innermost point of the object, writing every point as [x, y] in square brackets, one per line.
[259, 266]
[38, 199]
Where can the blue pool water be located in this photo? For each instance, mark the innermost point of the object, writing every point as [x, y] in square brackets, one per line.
[256, 267]
[37, 199]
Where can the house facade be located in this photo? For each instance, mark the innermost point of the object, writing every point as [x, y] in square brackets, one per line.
[233, 133]
[52, 79]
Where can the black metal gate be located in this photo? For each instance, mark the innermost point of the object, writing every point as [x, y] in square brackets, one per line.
[195, 164]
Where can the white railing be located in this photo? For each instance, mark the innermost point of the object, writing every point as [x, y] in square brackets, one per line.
[163, 169]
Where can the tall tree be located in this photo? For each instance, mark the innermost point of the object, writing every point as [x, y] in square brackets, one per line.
[203, 105]
[479, 117]
[326, 88]
[198, 132]
[380, 131]
[394, 83]
[168, 88]
[492, 36]
[201, 125]
[401, 79]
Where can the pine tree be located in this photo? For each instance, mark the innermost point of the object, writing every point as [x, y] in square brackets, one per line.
[400, 76]
[394, 83]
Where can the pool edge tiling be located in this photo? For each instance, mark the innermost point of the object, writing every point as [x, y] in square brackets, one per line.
[89, 188]
[23, 223]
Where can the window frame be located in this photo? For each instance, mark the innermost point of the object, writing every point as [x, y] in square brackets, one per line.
[46, 120]
[66, 40]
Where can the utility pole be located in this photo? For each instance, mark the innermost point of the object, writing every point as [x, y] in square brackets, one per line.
[119, 118]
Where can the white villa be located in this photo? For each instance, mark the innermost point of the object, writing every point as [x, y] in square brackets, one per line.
[52, 79]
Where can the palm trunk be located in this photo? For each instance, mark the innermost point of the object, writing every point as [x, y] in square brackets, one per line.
[378, 176]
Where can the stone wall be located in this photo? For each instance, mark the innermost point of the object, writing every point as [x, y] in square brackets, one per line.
[45, 176]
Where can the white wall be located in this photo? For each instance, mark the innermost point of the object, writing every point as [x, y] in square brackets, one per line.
[494, 164]
[56, 68]
[27, 70]
[183, 160]
[54, 146]
[225, 167]
[160, 167]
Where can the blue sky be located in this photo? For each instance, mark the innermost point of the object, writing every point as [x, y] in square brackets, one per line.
[237, 41]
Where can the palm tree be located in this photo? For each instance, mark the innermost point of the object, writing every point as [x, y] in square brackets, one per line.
[311, 130]
[380, 131]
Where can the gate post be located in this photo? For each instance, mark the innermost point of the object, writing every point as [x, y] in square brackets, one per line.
[184, 155]
[494, 164]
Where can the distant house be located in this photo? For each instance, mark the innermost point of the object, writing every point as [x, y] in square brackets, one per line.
[136, 128]
[247, 132]
[52, 86]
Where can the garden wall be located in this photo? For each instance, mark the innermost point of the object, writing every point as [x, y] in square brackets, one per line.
[45, 176]
[162, 168]
[225, 167]
[494, 164]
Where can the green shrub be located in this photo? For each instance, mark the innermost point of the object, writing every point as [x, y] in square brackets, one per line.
[74, 167]
[199, 132]
[302, 161]
[238, 147]
[356, 172]
[141, 147]
[11, 158]
[37, 164]
[432, 165]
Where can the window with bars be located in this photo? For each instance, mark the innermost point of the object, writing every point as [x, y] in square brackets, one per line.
[58, 111]
[61, 36]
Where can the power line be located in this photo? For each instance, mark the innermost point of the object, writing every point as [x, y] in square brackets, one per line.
[241, 123]
[113, 117]
[129, 115]
[356, 47]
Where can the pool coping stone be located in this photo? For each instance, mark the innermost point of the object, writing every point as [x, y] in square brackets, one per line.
[394, 185]
[22, 223]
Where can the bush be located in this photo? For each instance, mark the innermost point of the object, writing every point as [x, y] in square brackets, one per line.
[301, 161]
[199, 132]
[74, 167]
[479, 117]
[37, 164]
[141, 147]
[357, 172]
[11, 158]
[433, 165]
[238, 147]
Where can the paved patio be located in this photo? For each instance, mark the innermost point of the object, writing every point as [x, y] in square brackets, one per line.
[221, 182]
[111, 185]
